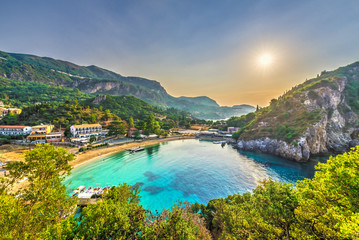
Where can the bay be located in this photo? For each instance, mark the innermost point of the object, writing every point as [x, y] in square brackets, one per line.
[188, 170]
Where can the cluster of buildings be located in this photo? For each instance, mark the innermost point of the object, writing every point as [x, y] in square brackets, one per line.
[210, 132]
[45, 133]
[215, 133]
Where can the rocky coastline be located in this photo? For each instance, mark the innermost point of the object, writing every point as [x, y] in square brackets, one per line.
[336, 131]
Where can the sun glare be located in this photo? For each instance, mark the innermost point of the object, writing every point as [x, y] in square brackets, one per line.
[265, 60]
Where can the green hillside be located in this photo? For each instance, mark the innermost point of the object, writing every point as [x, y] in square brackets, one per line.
[21, 94]
[62, 106]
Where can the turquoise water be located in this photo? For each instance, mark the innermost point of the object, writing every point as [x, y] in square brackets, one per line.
[188, 170]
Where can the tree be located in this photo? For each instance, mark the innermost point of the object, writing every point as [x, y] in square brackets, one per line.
[137, 135]
[131, 123]
[152, 126]
[268, 213]
[10, 119]
[329, 203]
[93, 118]
[44, 202]
[92, 138]
[108, 115]
[177, 223]
[117, 128]
[273, 102]
[236, 135]
[118, 216]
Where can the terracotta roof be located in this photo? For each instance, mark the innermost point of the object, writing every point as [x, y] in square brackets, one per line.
[86, 125]
[9, 126]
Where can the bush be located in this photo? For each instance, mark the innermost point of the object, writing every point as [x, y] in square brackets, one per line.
[313, 95]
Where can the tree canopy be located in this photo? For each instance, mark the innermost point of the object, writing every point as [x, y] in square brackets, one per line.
[325, 207]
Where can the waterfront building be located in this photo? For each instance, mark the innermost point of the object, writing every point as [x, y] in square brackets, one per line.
[39, 133]
[14, 130]
[131, 132]
[86, 130]
[55, 136]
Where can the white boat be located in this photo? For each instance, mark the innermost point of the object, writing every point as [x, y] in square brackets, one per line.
[80, 189]
[98, 190]
[86, 194]
[218, 142]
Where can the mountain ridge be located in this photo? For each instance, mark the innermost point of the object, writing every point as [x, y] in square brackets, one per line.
[96, 80]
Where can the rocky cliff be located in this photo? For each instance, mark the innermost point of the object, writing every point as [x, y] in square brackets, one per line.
[319, 116]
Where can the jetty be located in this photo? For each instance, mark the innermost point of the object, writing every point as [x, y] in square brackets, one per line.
[90, 195]
[135, 149]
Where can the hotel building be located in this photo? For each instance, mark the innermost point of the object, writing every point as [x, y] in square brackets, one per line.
[14, 130]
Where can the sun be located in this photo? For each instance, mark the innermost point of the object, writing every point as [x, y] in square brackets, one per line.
[265, 59]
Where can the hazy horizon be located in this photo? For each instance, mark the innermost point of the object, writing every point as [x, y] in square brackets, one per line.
[193, 48]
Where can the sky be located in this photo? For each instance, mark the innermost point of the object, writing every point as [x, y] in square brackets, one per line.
[192, 47]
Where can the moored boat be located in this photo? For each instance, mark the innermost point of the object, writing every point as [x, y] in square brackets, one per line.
[136, 149]
[79, 189]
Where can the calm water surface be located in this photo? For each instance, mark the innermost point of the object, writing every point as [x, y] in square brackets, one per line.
[188, 170]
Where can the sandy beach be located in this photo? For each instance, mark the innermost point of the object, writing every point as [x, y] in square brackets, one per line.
[91, 155]
[17, 154]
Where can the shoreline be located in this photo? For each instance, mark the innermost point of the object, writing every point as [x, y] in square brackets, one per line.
[95, 154]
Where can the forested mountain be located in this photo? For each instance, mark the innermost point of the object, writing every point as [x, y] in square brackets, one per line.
[92, 79]
[63, 107]
[318, 116]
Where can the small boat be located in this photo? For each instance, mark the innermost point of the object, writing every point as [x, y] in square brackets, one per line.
[75, 194]
[98, 190]
[97, 193]
[105, 189]
[136, 149]
[80, 189]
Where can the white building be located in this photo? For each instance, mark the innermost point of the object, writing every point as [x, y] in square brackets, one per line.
[232, 129]
[15, 130]
[86, 130]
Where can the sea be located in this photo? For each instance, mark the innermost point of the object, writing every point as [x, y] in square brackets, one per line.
[188, 170]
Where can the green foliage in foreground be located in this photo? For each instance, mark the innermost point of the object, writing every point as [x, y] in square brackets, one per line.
[44, 211]
[30, 211]
[325, 207]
